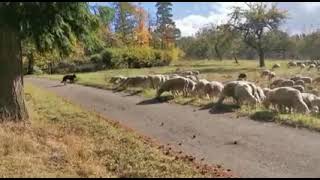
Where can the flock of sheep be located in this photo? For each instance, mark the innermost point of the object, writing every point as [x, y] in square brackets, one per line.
[283, 95]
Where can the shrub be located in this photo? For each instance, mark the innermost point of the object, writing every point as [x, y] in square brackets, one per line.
[136, 57]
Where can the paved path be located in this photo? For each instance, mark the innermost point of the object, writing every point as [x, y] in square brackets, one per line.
[263, 149]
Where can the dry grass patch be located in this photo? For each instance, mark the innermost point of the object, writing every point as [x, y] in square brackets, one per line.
[63, 140]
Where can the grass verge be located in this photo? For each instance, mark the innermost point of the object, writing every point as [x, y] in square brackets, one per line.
[63, 140]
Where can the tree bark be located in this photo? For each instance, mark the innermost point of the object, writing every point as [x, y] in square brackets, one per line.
[12, 105]
[30, 63]
[218, 52]
[235, 58]
[261, 58]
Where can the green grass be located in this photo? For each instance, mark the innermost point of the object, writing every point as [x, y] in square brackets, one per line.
[63, 140]
[211, 70]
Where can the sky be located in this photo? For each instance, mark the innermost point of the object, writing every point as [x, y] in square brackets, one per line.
[191, 16]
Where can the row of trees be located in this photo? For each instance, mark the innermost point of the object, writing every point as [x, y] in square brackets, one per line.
[133, 26]
[251, 33]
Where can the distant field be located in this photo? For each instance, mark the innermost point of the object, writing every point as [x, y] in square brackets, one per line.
[63, 140]
[213, 70]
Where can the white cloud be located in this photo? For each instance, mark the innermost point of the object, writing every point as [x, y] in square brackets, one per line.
[189, 25]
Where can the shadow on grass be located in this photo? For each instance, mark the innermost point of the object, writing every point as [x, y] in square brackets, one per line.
[264, 116]
[158, 100]
[221, 108]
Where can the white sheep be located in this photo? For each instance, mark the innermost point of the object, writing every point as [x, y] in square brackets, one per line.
[307, 79]
[199, 90]
[136, 81]
[299, 82]
[292, 64]
[283, 97]
[241, 91]
[308, 98]
[299, 88]
[265, 73]
[213, 89]
[312, 66]
[117, 79]
[174, 85]
[287, 83]
[277, 82]
[271, 75]
[276, 66]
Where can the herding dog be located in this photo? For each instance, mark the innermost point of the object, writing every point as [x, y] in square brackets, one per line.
[71, 78]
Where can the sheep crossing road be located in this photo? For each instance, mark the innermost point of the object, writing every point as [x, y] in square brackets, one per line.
[262, 149]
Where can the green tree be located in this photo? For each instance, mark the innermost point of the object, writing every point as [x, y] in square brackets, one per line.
[52, 26]
[124, 21]
[165, 26]
[254, 22]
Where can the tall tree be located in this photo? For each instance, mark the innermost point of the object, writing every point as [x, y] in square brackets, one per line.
[54, 25]
[124, 21]
[254, 22]
[142, 34]
[166, 28]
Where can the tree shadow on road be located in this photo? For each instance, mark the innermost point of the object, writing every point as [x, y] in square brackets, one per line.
[158, 100]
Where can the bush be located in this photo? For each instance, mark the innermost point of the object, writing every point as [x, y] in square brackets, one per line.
[135, 57]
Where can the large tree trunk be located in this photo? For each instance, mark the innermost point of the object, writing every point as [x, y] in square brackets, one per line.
[261, 58]
[12, 105]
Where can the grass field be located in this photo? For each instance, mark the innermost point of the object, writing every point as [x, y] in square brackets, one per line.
[63, 140]
[219, 71]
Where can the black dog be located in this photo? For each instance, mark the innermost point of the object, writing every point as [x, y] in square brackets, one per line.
[242, 76]
[71, 78]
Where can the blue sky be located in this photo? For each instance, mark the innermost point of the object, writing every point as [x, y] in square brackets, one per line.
[190, 16]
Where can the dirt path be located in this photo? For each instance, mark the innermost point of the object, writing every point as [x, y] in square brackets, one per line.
[263, 149]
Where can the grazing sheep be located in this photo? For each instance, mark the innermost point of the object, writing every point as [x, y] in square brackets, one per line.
[244, 93]
[316, 80]
[174, 85]
[213, 89]
[189, 87]
[117, 79]
[241, 91]
[156, 80]
[192, 77]
[136, 81]
[307, 80]
[196, 73]
[298, 87]
[308, 98]
[199, 90]
[242, 76]
[287, 83]
[265, 73]
[312, 66]
[276, 66]
[277, 82]
[302, 66]
[292, 64]
[316, 102]
[271, 75]
[299, 82]
[286, 97]
[296, 78]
